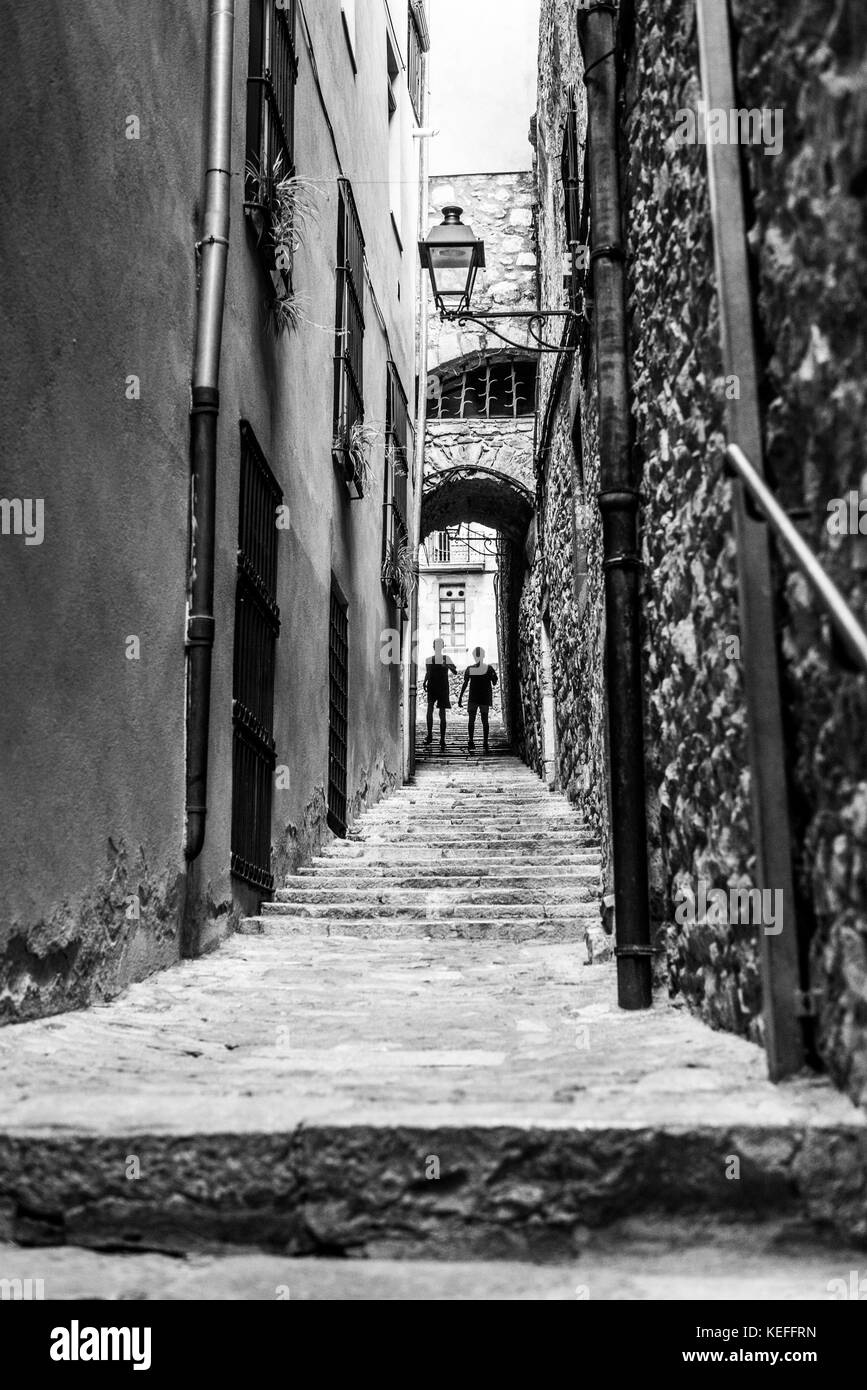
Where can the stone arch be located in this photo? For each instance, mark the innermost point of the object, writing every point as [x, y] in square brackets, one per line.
[473, 492]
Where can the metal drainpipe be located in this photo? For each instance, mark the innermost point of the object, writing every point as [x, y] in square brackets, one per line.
[203, 422]
[618, 502]
[410, 664]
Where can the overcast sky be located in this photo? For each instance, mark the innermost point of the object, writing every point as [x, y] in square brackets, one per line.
[483, 84]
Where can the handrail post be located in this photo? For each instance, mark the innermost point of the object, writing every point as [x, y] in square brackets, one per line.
[780, 968]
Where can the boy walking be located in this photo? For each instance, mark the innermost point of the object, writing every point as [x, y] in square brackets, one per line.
[436, 683]
[481, 680]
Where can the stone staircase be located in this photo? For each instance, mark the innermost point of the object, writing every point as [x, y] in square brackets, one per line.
[477, 850]
[408, 1059]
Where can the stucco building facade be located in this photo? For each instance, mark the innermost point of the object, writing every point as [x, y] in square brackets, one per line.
[317, 334]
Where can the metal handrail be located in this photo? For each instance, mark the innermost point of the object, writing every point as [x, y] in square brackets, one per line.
[851, 633]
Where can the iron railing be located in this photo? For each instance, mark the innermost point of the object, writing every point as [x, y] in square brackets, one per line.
[851, 635]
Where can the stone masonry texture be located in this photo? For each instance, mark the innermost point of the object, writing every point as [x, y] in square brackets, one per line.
[806, 222]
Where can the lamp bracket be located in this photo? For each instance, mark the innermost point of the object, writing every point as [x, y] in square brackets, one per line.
[534, 318]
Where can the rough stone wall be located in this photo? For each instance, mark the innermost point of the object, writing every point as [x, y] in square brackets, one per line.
[566, 573]
[807, 220]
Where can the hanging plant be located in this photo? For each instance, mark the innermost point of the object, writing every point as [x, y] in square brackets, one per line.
[355, 446]
[282, 208]
[399, 572]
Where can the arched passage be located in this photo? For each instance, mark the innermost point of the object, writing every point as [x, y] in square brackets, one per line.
[473, 492]
[488, 497]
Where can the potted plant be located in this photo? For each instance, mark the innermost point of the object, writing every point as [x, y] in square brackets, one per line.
[399, 572]
[281, 208]
[353, 448]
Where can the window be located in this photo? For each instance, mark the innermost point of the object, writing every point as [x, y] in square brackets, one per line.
[576, 211]
[416, 45]
[395, 186]
[349, 333]
[257, 623]
[271, 75]
[453, 616]
[338, 711]
[570, 168]
[395, 529]
[439, 548]
[496, 390]
[581, 520]
[272, 71]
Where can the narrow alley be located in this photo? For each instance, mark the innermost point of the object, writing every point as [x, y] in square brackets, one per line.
[433, 672]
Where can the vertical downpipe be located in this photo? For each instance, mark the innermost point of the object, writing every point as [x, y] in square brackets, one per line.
[618, 502]
[410, 642]
[203, 422]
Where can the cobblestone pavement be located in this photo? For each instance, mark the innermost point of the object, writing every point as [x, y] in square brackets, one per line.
[408, 1094]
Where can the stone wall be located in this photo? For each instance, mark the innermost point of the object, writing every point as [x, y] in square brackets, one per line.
[564, 577]
[807, 219]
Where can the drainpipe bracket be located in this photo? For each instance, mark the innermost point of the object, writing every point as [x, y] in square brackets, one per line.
[200, 630]
[638, 950]
[611, 250]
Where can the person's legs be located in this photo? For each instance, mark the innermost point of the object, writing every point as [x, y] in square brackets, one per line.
[471, 713]
[442, 726]
[484, 712]
[430, 710]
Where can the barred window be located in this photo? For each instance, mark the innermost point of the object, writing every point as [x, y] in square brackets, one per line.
[496, 390]
[570, 166]
[415, 48]
[349, 322]
[395, 528]
[271, 75]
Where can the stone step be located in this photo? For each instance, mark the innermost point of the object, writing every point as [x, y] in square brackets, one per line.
[405, 1098]
[430, 879]
[538, 930]
[465, 863]
[430, 905]
[650, 1261]
[383, 895]
[484, 837]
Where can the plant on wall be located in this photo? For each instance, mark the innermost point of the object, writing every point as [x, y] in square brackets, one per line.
[399, 571]
[282, 208]
[355, 446]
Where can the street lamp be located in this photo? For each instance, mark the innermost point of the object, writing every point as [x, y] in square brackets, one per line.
[452, 255]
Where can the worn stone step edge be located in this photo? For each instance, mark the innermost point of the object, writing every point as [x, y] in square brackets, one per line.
[502, 1191]
[460, 908]
[533, 930]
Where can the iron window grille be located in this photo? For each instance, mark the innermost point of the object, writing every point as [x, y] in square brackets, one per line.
[349, 333]
[272, 72]
[575, 169]
[395, 530]
[415, 67]
[257, 624]
[498, 389]
[338, 712]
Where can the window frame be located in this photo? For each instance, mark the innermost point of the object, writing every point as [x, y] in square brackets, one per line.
[270, 116]
[348, 403]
